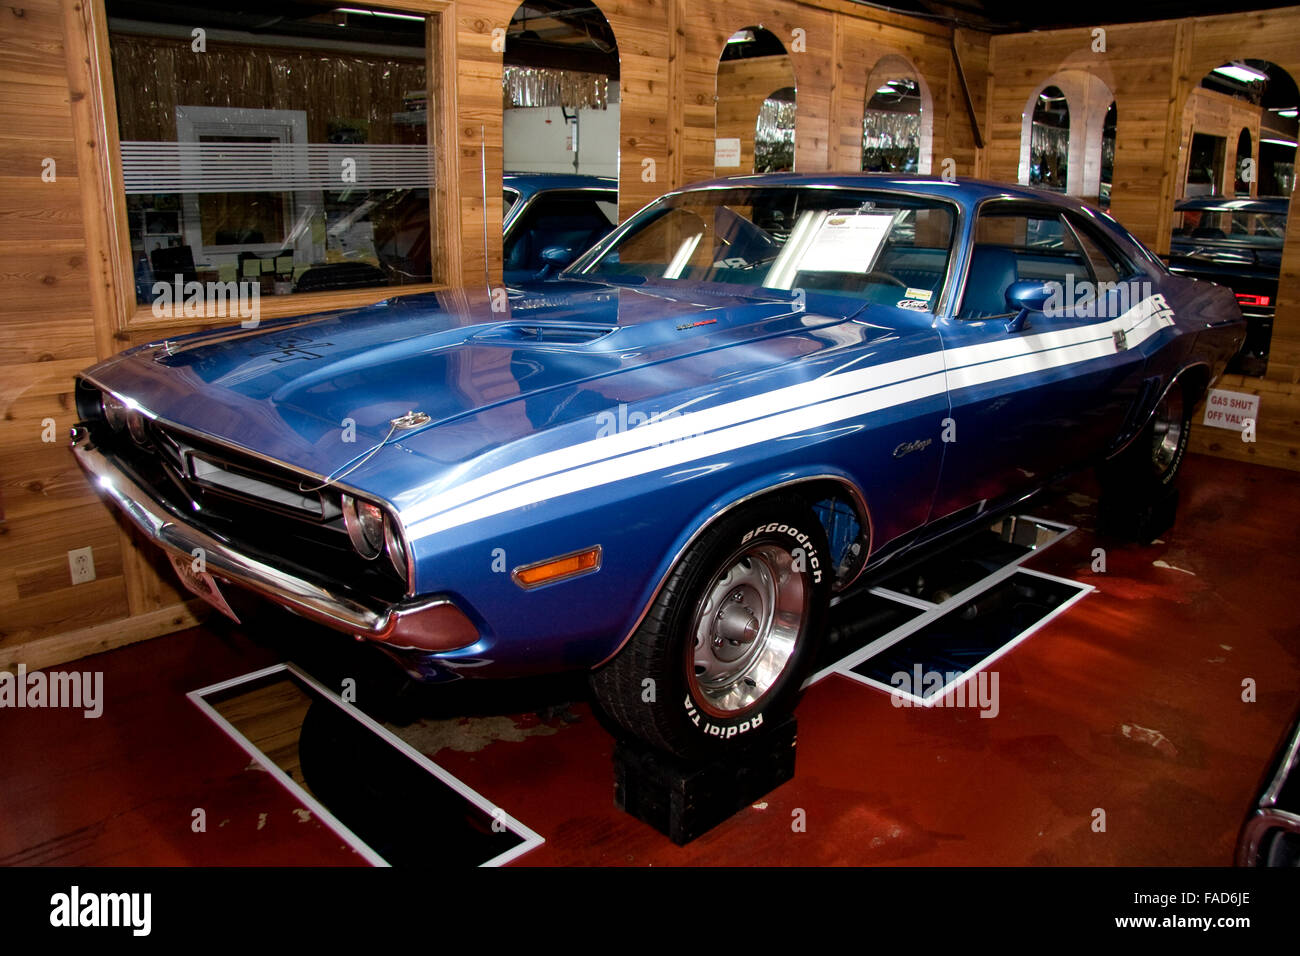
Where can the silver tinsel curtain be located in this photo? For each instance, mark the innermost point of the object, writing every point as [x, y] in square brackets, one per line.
[774, 137]
[529, 86]
[891, 142]
[1049, 150]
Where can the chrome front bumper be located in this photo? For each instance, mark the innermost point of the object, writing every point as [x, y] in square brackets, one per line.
[424, 624]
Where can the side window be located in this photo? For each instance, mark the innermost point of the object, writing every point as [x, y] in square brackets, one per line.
[571, 220]
[1014, 244]
[1107, 262]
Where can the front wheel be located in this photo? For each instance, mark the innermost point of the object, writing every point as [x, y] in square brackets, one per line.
[727, 642]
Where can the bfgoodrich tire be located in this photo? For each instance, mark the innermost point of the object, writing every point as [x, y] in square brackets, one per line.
[726, 644]
[1138, 485]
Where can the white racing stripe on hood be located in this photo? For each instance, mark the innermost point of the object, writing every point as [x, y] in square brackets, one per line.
[775, 415]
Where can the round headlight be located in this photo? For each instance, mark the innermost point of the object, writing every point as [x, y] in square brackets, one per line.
[395, 548]
[115, 411]
[365, 524]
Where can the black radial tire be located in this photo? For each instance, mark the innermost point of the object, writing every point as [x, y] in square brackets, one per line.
[726, 644]
[1138, 485]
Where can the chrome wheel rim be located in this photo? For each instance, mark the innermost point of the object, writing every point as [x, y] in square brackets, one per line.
[1168, 435]
[745, 630]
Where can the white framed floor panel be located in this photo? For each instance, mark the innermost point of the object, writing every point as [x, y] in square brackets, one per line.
[845, 669]
[932, 611]
[529, 838]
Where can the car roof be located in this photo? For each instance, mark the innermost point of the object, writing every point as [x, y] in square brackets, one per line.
[526, 184]
[1274, 204]
[967, 191]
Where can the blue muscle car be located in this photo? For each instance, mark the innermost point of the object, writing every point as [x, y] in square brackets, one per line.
[659, 465]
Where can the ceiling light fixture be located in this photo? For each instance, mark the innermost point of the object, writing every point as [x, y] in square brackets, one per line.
[379, 13]
[1241, 73]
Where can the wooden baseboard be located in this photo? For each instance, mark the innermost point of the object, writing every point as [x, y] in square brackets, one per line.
[73, 645]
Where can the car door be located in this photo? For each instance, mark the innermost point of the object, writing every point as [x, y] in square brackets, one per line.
[1032, 399]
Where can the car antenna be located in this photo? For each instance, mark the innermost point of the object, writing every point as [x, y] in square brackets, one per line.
[482, 141]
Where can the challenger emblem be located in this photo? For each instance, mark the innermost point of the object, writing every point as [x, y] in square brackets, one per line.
[907, 447]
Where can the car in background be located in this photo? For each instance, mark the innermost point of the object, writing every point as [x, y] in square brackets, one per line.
[658, 466]
[552, 218]
[1236, 243]
[1271, 834]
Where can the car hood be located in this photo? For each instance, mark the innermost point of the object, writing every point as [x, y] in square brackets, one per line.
[317, 392]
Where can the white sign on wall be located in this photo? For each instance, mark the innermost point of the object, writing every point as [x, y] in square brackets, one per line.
[726, 152]
[1230, 409]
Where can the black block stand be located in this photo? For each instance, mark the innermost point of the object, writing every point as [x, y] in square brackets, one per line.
[682, 800]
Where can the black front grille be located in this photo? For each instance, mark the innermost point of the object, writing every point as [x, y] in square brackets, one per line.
[261, 508]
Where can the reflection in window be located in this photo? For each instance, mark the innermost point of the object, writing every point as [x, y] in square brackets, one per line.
[1245, 164]
[774, 133]
[891, 127]
[1049, 140]
[1107, 157]
[291, 151]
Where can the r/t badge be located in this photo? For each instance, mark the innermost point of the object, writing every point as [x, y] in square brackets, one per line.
[1121, 340]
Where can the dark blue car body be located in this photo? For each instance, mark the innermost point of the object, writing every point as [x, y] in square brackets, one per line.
[627, 416]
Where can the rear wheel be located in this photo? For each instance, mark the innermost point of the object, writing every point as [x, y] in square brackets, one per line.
[726, 644]
[1138, 485]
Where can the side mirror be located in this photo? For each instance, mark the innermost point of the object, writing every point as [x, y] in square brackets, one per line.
[555, 259]
[1024, 297]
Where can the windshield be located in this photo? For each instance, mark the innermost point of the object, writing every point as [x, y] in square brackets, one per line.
[1225, 222]
[880, 246]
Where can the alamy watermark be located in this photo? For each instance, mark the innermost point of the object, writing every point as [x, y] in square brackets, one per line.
[1084, 299]
[921, 688]
[53, 689]
[615, 421]
[208, 300]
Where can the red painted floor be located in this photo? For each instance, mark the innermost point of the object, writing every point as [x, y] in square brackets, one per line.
[1129, 704]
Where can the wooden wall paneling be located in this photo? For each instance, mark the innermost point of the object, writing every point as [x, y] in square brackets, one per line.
[706, 30]
[478, 135]
[743, 86]
[642, 30]
[862, 44]
[46, 335]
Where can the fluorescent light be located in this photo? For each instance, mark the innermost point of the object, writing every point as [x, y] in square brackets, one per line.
[1288, 114]
[885, 89]
[743, 36]
[379, 13]
[1241, 73]
[1279, 142]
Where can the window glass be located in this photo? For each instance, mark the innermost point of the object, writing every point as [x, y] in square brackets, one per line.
[1108, 264]
[880, 246]
[1013, 245]
[570, 220]
[278, 145]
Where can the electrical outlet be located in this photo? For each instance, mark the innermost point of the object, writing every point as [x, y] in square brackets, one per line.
[81, 561]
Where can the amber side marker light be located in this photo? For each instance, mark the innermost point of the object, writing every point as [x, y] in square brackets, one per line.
[559, 568]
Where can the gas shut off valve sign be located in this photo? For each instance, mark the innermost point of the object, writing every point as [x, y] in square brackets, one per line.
[1230, 409]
